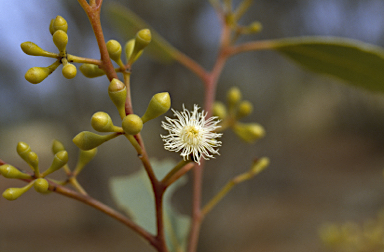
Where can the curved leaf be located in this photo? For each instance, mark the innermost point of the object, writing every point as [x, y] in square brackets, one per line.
[359, 63]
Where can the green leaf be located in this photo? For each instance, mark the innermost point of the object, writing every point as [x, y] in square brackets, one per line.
[127, 23]
[359, 63]
[134, 195]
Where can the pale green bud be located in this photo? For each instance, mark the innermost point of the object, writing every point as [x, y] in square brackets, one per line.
[33, 161]
[159, 104]
[14, 193]
[41, 185]
[69, 71]
[102, 122]
[84, 158]
[142, 39]
[259, 165]
[36, 75]
[60, 38]
[57, 146]
[9, 171]
[23, 149]
[244, 109]
[249, 132]
[219, 110]
[132, 124]
[118, 93]
[233, 96]
[128, 48]
[59, 160]
[91, 71]
[59, 23]
[87, 140]
[32, 49]
[114, 50]
[255, 27]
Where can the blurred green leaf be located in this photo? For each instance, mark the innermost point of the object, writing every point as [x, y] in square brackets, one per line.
[127, 23]
[359, 63]
[135, 196]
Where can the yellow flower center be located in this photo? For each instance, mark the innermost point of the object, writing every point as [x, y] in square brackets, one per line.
[191, 135]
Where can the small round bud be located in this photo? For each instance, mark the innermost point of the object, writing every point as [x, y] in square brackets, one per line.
[60, 38]
[59, 23]
[132, 124]
[159, 104]
[102, 122]
[255, 27]
[219, 110]
[245, 108]
[87, 140]
[114, 50]
[32, 49]
[57, 146]
[36, 75]
[59, 160]
[118, 93]
[84, 158]
[14, 193]
[233, 96]
[249, 132]
[91, 71]
[23, 149]
[9, 171]
[69, 71]
[41, 185]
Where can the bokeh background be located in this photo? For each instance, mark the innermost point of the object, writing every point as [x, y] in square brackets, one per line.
[324, 138]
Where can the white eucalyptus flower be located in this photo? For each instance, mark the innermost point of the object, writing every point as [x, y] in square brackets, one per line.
[192, 134]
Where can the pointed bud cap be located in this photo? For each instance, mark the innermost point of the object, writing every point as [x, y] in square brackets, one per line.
[142, 39]
[23, 149]
[159, 104]
[118, 93]
[87, 140]
[114, 50]
[60, 38]
[59, 160]
[233, 96]
[69, 71]
[132, 124]
[244, 109]
[32, 49]
[57, 146]
[9, 171]
[249, 132]
[59, 23]
[91, 71]
[102, 122]
[84, 158]
[219, 110]
[14, 193]
[41, 185]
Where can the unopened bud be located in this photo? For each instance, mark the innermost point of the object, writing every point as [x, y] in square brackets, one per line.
[33, 161]
[159, 104]
[233, 96]
[219, 110]
[23, 149]
[57, 146]
[59, 23]
[249, 132]
[259, 165]
[14, 193]
[69, 71]
[244, 109]
[132, 124]
[87, 140]
[36, 75]
[142, 39]
[32, 49]
[84, 158]
[41, 185]
[9, 171]
[118, 93]
[60, 38]
[59, 160]
[102, 122]
[114, 50]
[91, 71]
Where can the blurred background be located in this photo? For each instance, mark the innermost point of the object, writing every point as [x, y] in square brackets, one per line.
[324, 138]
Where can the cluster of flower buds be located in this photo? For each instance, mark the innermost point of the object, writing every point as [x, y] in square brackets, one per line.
[58, 28]
[131, 124]
[237, 109]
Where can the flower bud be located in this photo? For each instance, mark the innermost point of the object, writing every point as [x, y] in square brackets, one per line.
[59, 23]
[102, 122]
[259, 165]
[91, 71]
[60, 38]
[36, 75]
[59, 160]
[41, 185]
[245, 108]
[57, 146]
[219, 110]
[142, 39]
[233, 96]
[249, 132]
[8, 171]
[87, 140]
[14, 193]
[33, 161]
[132, 124]
[128, 48]
[114, 50]
[32, 49]
[159, 104]
[118, 93]
[84, 158]
[23, 149]
[69, 71]
[255, 27]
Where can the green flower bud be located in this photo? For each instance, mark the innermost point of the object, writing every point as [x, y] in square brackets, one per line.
[14, 193]
[159, 104]
[128, 48]
[84, 158]
[102, 122]
[249, 132]
[41, 185]
[69, 71]
[60, 38]
[59, 160]
[23, 149]
[118, 93]
[114, 50]
[245, 108]
[87, 140]
[32, 49]
[59, 23]
[233, 96]
[255, 27]
[259, 165]
[36, 75]
[91, 71]
[33, 161]
[142, 39]
[219, 110]
[132, 124]
[57, 146]
[8, 171]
